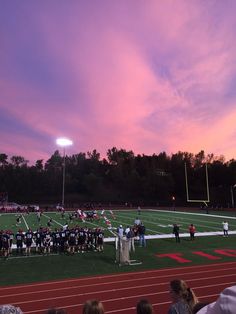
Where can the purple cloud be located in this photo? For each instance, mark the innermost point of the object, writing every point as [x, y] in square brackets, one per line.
[144, 76]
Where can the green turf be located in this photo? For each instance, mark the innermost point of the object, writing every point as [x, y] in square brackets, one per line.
[156, 222]
[40, 268]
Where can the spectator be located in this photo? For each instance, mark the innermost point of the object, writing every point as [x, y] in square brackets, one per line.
[120, 231]
[137, 221]
[198, 306]
[10, 309]
[141, 231]
[127, 230]
[176, 233]
[225, 304]
[225, 228]
[56, 311]
[139, 210]
[93, 307]
[130, 237]
[182, 296]
[192, 231]
[144, 307]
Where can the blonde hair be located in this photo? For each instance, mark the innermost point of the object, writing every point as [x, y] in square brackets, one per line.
[181, 289]
[93, 307]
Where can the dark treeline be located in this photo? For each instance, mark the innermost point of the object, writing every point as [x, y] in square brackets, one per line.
[121, 177]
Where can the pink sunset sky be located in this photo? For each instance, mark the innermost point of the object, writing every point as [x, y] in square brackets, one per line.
[147, 76]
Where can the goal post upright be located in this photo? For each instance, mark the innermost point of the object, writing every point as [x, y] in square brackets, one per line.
[207, 185]
[187, 188]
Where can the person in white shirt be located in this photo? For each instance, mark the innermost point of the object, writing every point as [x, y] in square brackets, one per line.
[225, 228]
[120, 231]
[127, 230]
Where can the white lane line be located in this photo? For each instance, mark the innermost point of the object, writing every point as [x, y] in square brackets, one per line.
[118, 282]
[120, 298]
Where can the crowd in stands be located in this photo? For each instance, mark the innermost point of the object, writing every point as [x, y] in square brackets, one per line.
[184, 301]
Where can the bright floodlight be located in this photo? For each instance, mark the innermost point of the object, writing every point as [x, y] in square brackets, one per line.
[64, 142]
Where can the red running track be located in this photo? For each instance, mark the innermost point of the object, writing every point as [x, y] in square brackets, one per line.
[120, 292]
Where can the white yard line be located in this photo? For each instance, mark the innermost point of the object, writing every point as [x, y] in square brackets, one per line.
[185, 213]
[53, 220]
[25, 222]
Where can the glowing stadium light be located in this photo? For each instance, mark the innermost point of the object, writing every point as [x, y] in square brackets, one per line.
[63, 142]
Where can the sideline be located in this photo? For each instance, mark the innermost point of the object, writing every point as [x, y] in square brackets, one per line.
[185, 213]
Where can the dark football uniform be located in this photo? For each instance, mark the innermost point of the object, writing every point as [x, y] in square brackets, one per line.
[28, 240]
[47, 241]
[81, 239]
[72, 241]
[100, 239]
[1, 241]
[5, 243]
[63, 240]
[19, 241]
[38, 240]
[56, 238]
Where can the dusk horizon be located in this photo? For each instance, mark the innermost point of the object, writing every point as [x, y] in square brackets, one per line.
[149, 77]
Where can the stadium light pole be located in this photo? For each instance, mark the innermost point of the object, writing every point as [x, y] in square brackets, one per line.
[232, 194]
[63, 142]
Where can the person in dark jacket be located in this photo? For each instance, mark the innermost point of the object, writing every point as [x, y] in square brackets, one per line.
[176, 232]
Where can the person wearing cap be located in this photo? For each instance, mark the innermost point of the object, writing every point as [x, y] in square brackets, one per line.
[183, 297]
[225, 304]
[10, 309]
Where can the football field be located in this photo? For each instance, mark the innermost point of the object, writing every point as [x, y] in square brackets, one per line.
[161, 250]
[158, 223]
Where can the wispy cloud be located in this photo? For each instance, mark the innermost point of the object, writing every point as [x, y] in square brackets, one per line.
[147, 76]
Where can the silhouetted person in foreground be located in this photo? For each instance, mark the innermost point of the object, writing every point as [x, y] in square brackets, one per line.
[183, 297]
[93, 307]
[225, 304]
[144, 307]
[10, 309]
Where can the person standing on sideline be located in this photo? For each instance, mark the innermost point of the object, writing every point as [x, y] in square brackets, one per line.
[225, 228]
[192, 231]
[141, 231]
[176, 233]
[120, 231]
[130, 237]
[137, 221]
[139, 210]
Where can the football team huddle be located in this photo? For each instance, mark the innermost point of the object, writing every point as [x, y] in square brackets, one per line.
[44, 241]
